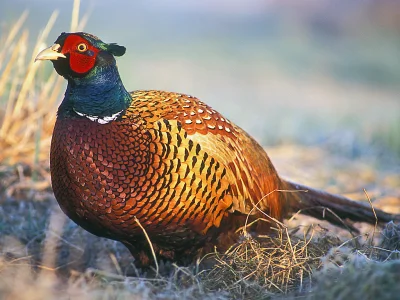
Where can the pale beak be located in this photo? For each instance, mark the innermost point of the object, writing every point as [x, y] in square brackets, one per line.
[50, 53]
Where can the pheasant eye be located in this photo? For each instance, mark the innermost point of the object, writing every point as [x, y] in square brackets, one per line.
[82, 47]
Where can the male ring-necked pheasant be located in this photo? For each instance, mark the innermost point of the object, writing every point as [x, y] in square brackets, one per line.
[166, 161]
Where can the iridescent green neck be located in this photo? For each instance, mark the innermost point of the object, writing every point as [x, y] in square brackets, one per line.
[98, 95]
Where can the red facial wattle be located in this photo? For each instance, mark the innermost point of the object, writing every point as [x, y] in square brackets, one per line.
[79, 61]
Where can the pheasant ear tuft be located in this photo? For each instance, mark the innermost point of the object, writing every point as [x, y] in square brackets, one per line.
[115, 49]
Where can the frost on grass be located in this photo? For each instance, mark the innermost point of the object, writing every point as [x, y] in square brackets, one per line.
[44, 255]
[87, 267]
[358, 277]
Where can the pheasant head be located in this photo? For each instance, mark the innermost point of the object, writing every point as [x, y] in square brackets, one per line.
[95, 89]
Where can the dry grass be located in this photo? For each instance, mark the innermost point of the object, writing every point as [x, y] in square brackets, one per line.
[29, 112]
[268, 265]
[28, 96]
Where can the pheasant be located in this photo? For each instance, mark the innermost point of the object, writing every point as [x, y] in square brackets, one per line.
[162, 164]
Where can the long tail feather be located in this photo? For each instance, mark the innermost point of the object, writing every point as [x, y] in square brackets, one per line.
[333, 208]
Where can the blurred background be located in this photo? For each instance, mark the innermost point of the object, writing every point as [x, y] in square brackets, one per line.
[314, 72]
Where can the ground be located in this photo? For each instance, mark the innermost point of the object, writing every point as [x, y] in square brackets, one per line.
[44, 255]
